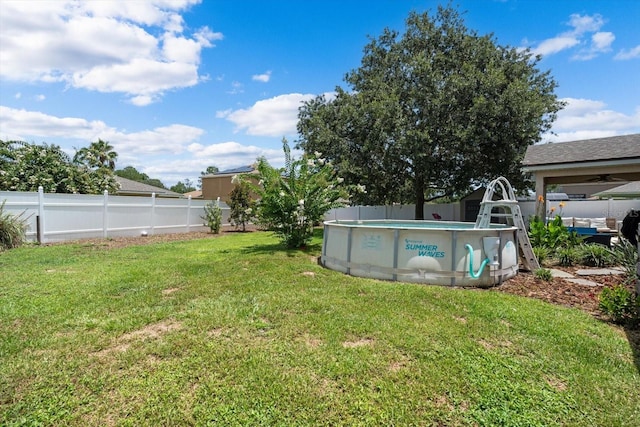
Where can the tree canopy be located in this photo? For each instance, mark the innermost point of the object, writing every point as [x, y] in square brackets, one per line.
[25, 167]
[209, 171]
[433, 112]
[183, 187]
[134, 174]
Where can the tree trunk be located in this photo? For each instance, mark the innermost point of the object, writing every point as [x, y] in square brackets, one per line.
[419, 187]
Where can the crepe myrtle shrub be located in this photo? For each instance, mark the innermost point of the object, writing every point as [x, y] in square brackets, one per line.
[240, 203]
[213, 216]
[291, 200]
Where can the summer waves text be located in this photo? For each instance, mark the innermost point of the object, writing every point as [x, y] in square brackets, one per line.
[424, 249]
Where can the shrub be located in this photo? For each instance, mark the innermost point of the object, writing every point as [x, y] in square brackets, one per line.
[213, 216]
[295, 198]
[13, 229]
[553, 236]
[595, 255]
[542, 253]
[568, 256]
[240, 204]
[625, 254]
[544, 274]
[620, 304]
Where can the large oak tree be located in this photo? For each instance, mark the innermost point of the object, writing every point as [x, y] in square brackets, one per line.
[433, 112]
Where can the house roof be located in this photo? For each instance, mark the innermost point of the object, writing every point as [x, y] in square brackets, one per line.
[628, 190]
[129, 187]
[591, 150]
[241, 169]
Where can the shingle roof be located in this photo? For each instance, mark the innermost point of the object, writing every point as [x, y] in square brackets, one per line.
[612, 148]
[130, 187]
[630, 189]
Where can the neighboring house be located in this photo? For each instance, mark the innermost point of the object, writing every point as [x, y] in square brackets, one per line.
[129, 187]
[219, 184]
[630, 190]
[613, 160]
[196, 194]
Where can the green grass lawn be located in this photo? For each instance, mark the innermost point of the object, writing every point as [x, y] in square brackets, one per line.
[236, 330]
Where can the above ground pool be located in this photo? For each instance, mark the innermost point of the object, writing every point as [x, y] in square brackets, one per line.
[434, 252]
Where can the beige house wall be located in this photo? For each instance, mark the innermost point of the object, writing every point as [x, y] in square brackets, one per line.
[214, 186]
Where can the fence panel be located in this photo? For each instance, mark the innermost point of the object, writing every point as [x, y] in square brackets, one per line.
[75, 216]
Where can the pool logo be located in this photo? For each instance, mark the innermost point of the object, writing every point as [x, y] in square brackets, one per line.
[423, 249]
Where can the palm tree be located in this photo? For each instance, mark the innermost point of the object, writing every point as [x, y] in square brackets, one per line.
[99, 154]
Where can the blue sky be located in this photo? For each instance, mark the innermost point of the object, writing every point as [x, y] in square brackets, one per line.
[176, 86]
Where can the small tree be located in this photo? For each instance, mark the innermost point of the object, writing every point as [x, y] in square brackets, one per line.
[240, 204]
[213, 216]
[295, 198]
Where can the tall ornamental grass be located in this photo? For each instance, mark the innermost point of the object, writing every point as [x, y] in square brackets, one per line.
[13, 229]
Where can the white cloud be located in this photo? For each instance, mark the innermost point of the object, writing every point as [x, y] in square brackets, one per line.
[625, 54]
[236, 88]
[264, 78]
[136, 48]
[224, 155]
[555, 45]
[600, 43]
[585, 24]
[276, 116]
[582, 25]
[27, 125]
[139, 77]
[586, 119]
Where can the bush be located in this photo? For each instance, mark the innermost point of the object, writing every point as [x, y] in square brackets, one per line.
[544, 274]
[240, 204]
[13, 229]
[595, 255]
[213, 216]
[542, 253]
[568, 256]
[625, 254]
[552, 235]
[295, 198]
[620, 304]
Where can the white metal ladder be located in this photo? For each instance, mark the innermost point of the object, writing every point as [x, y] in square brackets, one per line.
[510, 204]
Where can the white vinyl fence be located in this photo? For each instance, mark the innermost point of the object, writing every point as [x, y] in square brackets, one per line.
[451, 211]
[58, 217]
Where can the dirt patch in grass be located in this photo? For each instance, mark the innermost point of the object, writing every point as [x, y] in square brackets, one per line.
[153, 331]
[169, 291]
[358, 343]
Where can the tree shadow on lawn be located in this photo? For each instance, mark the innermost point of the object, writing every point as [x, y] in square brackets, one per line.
[270, 248]
[633, 336]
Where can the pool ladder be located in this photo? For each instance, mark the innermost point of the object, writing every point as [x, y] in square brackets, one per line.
[514, 217]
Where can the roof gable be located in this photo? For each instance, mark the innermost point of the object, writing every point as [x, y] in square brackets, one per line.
[130, 187]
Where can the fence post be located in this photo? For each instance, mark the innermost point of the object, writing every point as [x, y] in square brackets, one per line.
[40, 218]
[153, 211]
[189, 214]
[105, 214]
